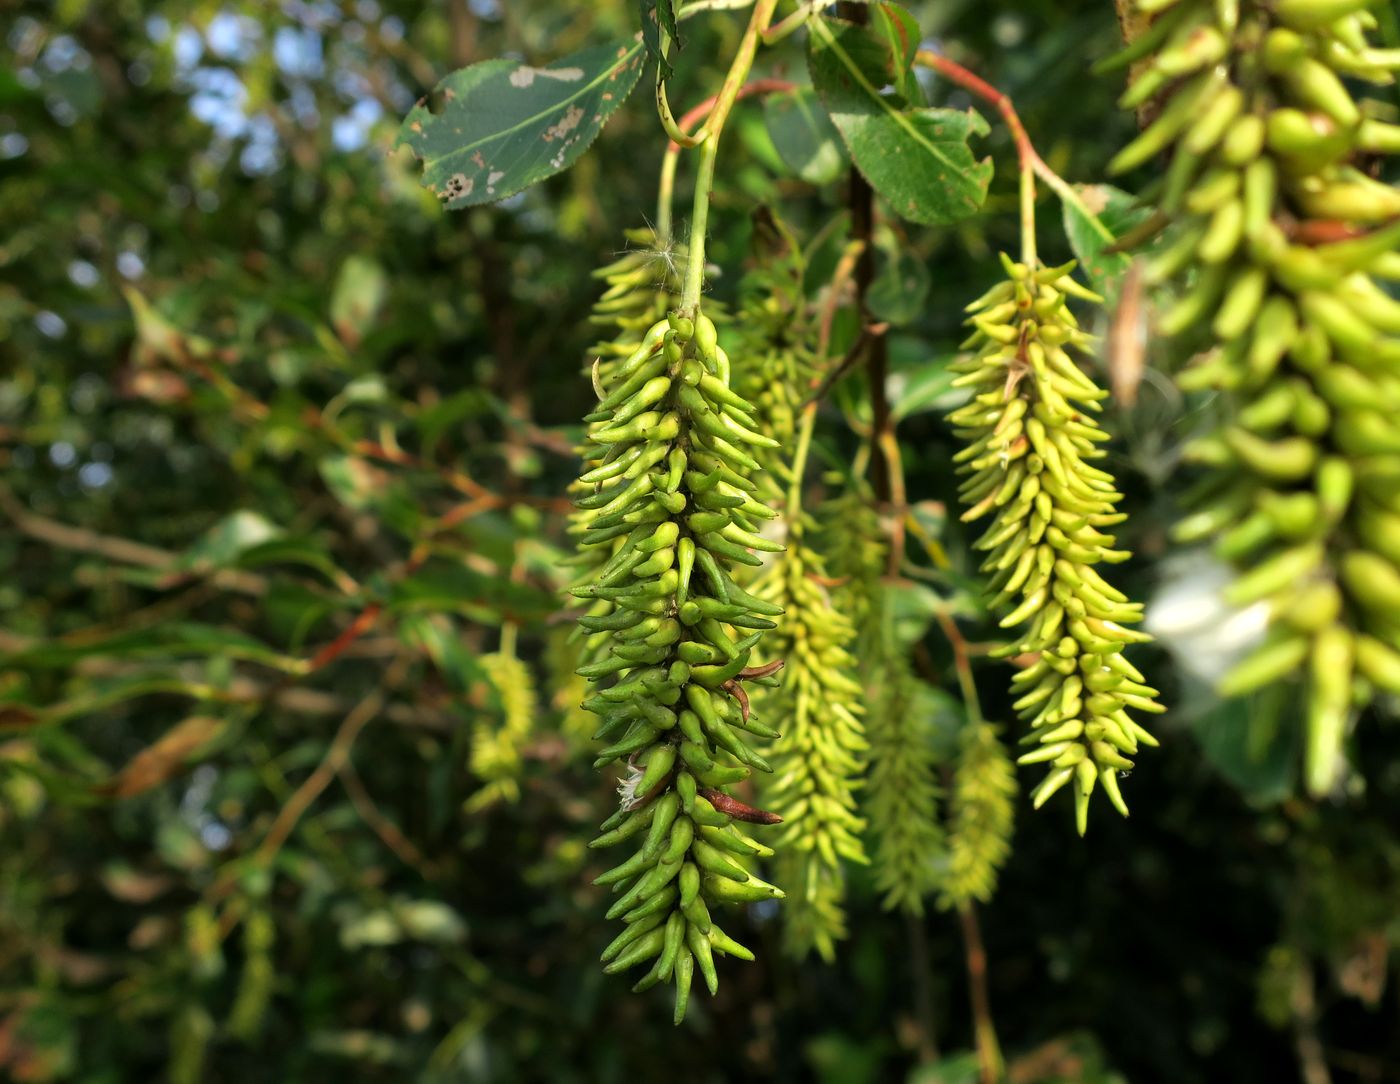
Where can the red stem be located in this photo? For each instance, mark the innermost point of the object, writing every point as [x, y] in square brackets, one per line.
[748, 90]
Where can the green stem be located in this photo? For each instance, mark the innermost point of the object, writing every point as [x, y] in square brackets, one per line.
[799, 464]
[709, 153]
[962, 663]
[665, 194]
[1028, 254]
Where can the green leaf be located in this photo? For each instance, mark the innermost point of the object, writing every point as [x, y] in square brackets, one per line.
[901, 285]
[505, 126]
[458, 589]
[897, 31]
[918, 159]
[804, 136]
[229, 539]
[1111, 214]
[360, 290]
[928, 387]
[1255, 742]
[658, 16]
[170, 640]
[441, 641]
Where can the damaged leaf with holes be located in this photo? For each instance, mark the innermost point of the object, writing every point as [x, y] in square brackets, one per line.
[501, 126]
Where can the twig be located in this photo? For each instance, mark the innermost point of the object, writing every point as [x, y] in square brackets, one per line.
[664, 213]
[1302, 1004]
[709, 153]
[989, 1057]
[336, 755]
[124, 551]
[388, 832]
[922, 968]
[1030, 160]
[845, 268]
[962, 664]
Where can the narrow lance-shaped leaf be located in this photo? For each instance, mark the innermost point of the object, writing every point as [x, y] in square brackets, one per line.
[505, 126]
[917, 159]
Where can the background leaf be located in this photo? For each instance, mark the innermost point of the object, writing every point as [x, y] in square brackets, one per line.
[805, 137]
[505, 126]
[1116, 212]
[917, 159]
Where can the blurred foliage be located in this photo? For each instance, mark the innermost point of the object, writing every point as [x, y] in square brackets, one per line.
[283, 447]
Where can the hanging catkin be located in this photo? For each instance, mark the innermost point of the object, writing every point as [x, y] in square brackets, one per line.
[1030, 436]
[1280, 234]
[672, 500]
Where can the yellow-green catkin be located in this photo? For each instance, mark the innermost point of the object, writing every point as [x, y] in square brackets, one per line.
[819, 761]
[1280, 235]
[639, 288]
[775, 333]
[498, 746]
[672, 500]
[900, 800]
[259, 977]
[902, 794]
[981, 815]
[1030, 440]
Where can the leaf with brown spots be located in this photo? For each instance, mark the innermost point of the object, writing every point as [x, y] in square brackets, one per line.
[504, 126]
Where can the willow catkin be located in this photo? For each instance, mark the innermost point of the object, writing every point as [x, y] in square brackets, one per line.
[900, 800]
[1031, 437]
[902, 796]
[497, 746]
[640, 287]
[1280, 234]
[259, 977]
[981, 814]
[776, 340]
[673, 501]
[820, 759]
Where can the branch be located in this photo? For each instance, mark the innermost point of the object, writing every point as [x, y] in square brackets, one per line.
[664, 213]
[988, 1050]
[121, 550]
[336, 756]
[1031, 163]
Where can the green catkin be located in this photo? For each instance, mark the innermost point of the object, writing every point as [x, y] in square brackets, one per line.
[640, 287]
[255, 985]
[1030, 438]
[496, 752]
[666, 688]
[562, 660]
[776, 337]
[856, 553]
[901, 800]
[820, 760]
[981, 813]
[901, 797]
[1281, 236]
